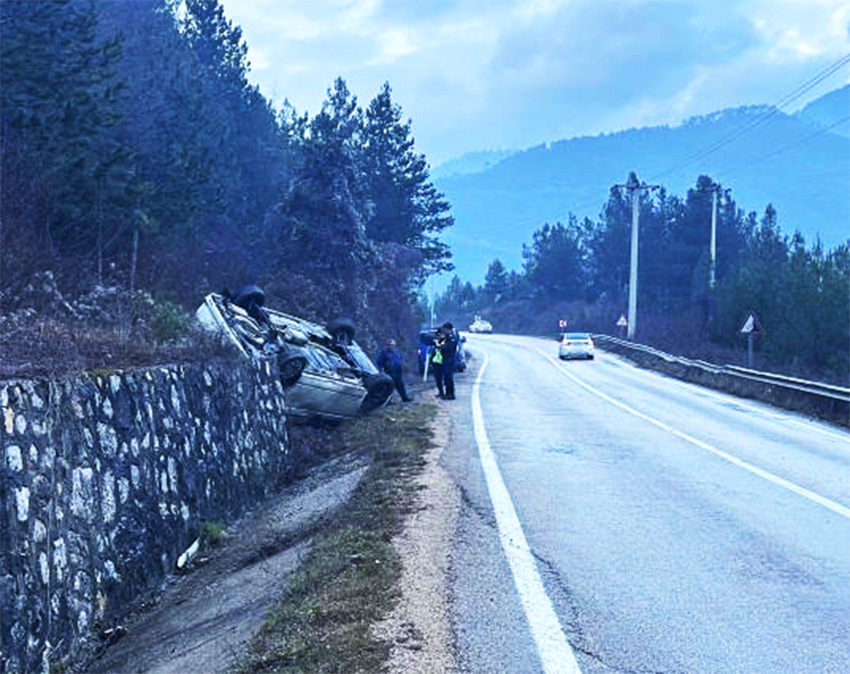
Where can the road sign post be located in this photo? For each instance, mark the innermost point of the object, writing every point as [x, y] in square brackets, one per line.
[752, 329]
[562, 327]
[622, 323]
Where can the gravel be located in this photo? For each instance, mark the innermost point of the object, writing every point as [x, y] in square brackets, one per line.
[419, 628]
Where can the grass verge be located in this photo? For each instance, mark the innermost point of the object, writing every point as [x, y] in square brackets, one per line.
[350, 578]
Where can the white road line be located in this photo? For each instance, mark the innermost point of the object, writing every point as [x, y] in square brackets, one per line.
[801, 491]
[552, 646]
[809, 425]
[764, 411]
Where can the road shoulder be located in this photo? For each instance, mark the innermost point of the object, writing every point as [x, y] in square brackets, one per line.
[418, 629]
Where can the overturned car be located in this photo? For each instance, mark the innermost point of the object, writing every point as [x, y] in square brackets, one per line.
[325, 373]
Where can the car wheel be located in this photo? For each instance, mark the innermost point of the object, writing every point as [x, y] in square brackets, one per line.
[379, 388]
[289, 367]
[342, 330]
[248, 294]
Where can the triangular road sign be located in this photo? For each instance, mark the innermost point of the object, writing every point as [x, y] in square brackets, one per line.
[752, 325]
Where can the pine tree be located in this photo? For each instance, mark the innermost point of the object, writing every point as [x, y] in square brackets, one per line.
[609, 249]
[318, 226]
[496, 280]
[58, 105]
[407, 208]
[554, 262]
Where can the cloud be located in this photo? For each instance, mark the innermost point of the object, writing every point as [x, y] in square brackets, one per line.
[393, 44]
[489, 74]
[617, 50]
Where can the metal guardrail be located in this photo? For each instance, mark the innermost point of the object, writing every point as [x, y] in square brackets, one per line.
[830, 400]
[816, 388]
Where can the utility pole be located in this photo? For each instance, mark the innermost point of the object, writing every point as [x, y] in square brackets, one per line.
[712, 275]
[712, 269]
[712, 266]
[635, 187]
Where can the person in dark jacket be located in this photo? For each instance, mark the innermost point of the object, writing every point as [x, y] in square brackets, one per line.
[448, 348]
[390, 361]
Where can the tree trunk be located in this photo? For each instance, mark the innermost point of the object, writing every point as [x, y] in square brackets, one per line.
[133, 260]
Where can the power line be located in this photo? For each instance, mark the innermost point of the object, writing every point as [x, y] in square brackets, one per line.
[787, 147]
[762, 118]
[817, 79]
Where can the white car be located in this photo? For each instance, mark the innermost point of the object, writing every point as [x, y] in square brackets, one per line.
[576, 345]
[480, 325]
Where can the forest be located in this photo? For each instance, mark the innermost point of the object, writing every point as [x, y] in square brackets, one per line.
[141, 171]
[579, 272]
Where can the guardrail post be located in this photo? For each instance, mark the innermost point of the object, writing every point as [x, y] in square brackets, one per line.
[750, 350]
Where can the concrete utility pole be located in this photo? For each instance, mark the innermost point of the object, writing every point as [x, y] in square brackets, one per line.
[634, 186]
[712, 267]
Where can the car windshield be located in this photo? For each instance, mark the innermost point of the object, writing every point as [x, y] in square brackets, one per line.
[322, 359]
[360, 359]
[574, 336]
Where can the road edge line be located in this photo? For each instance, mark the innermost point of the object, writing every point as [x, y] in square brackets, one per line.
[555, 653]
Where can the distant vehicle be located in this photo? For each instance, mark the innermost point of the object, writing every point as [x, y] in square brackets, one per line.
[325, 373]
[576, 345]
[480, 325]
[427, 338]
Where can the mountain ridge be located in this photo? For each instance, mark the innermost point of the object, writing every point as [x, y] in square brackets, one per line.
[792, 161]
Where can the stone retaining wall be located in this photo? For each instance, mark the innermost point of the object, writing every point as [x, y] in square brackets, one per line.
[105, 481]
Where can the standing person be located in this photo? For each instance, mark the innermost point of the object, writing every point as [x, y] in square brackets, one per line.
[436, 362]
[390, 361]
[449, 350]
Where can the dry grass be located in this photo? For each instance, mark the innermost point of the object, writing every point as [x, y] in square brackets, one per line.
[54, 348]
[350, 579]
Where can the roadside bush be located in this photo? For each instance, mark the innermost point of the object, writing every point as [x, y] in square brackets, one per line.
[169, 322]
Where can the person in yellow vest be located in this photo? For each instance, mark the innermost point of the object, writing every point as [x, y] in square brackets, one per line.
[436, 363]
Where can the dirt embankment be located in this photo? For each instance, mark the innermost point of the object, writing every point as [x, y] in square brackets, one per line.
[203, 621]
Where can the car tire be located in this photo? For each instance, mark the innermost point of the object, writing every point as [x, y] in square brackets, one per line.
[290, 366]
[342, 330]
[379, 388]
[248, 294]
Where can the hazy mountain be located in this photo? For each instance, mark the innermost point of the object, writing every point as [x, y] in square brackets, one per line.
[831, 112]
[471, 162]
[764, 155]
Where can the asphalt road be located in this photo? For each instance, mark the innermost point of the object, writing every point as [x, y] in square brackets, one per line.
[615, 520]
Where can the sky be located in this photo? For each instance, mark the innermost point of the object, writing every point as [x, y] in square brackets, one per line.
[475, 75]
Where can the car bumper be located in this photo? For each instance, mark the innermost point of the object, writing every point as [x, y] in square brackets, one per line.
[566, 354]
